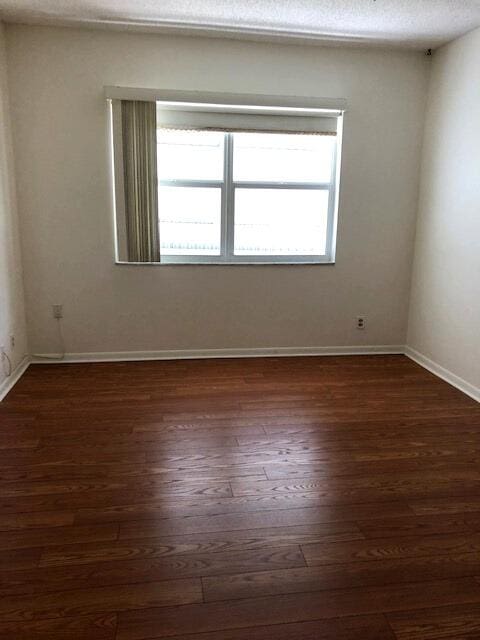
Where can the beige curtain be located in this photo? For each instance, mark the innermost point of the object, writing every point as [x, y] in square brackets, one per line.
[139, 139]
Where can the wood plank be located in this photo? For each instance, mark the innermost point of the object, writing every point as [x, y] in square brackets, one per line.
[58, 535]
[151, 564]
[355, 628]
[68, 455]
[93, 498]
[457, 622]
[308, 509]
[85, 602]
[13, 559]
[234, 522]
[415, 526]
[409, 423]
[340, 576]
[463, 504]
[389, 548]
[158, 485]
[192, 441]
[168, 621]
[266, 456]
[340, 440]
[101, 627]
[330, 469]
[198, 430]
[8, 441]
[365, 488]
[46, 472]
[231, 541]
[15, 521]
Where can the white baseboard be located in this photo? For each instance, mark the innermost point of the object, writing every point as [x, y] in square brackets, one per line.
[444, 374]
[192, 354]
[8, 384]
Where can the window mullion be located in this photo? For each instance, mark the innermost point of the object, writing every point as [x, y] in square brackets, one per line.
[191, 183]
[223, 221]
[229, 198]
[260, 184]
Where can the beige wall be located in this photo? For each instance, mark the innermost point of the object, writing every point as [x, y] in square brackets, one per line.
[12, 313]
[444, 321]
[57, 77]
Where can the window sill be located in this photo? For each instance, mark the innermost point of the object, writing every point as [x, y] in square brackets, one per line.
[228, 264]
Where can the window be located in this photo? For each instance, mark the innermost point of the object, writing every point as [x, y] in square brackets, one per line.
[251, 188]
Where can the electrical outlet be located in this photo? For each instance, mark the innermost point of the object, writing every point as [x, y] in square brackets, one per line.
[12, 342]
[6, 363]
[360, 322]
[57, 311]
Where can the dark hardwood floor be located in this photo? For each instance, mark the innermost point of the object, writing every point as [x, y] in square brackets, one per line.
[333, 498]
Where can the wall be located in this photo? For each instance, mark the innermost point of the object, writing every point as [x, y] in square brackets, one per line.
[444, 324]
[57, 77]
[12, 313]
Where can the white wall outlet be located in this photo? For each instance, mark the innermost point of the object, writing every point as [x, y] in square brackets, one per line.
[57, 310]
[12, 342]
[360, 322]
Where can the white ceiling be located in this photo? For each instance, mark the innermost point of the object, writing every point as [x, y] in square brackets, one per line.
[418, 24]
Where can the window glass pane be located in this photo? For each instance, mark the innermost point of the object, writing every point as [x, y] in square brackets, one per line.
[280, 221]
[189, 220]
[271, 157]
[189, 155]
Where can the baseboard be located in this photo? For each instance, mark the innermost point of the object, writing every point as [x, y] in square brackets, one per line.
[192, 354]
[444, 374]
[8, 384]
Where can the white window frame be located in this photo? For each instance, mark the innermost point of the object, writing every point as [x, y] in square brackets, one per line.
[227, 223]
[289, 105]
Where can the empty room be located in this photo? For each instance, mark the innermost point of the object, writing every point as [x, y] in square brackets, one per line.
[239, 320]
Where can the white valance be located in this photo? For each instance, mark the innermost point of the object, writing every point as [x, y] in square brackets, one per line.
[238, 112]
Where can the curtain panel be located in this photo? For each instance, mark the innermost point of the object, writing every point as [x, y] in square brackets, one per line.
[139, 140]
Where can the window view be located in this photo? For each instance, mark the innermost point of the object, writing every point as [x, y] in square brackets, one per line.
[283, 222]
[242, 197]
[190, 220]
[272, 157]
[190, 173]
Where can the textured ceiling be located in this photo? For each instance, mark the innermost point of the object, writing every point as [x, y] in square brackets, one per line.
[410, 23]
